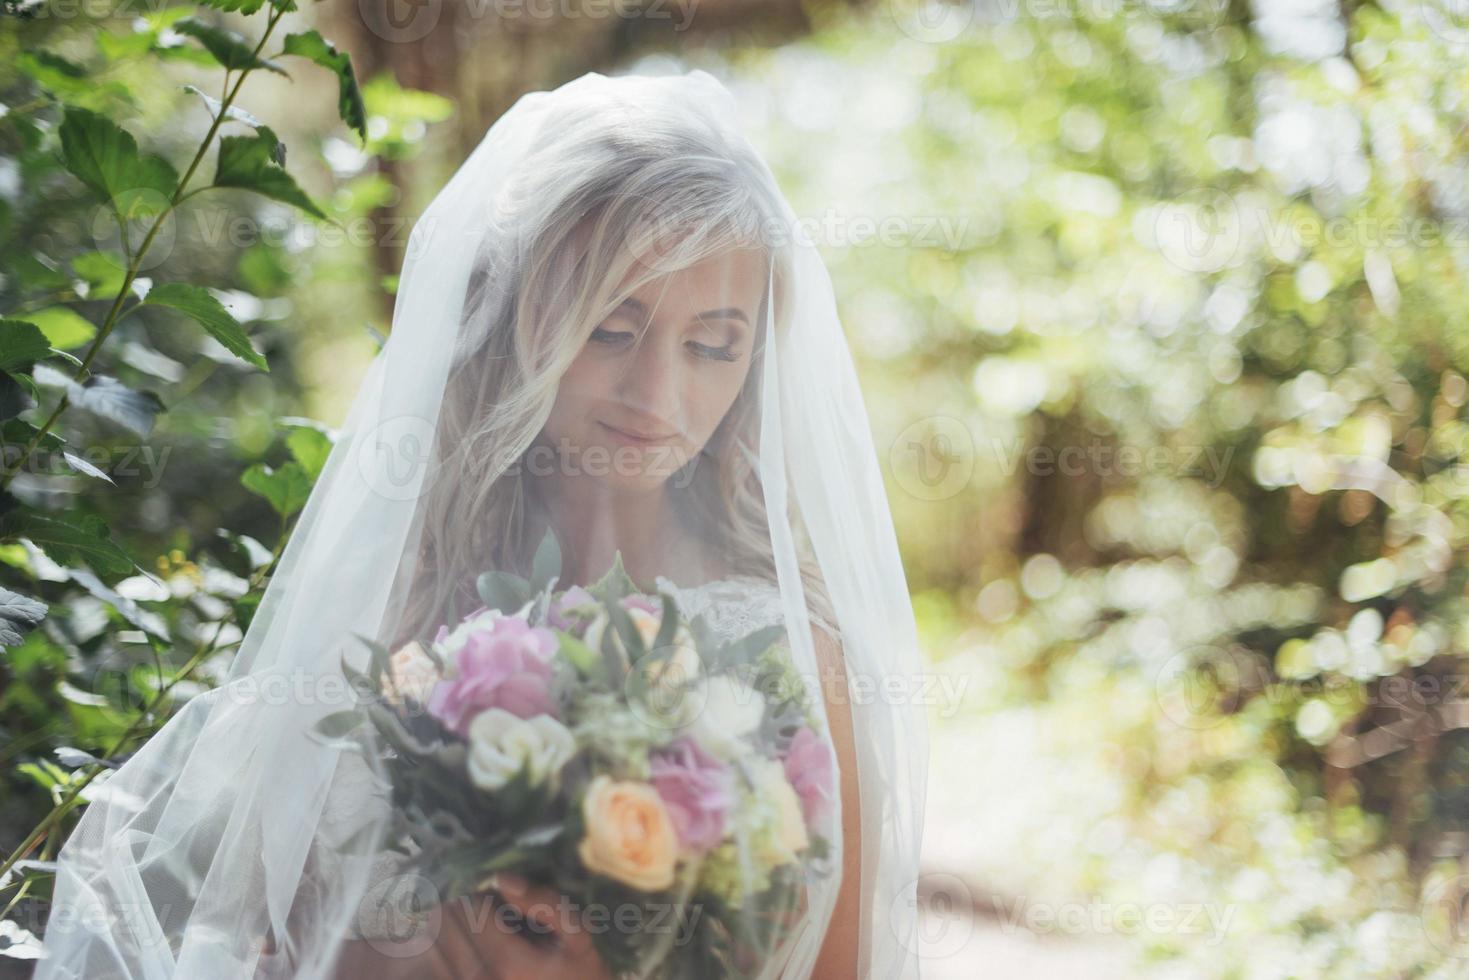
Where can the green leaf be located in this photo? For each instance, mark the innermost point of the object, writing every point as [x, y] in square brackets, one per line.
[228, 48]
[21, 432]
[54, 73]
[340, 723]
[110, 399]
[73, 541]
[246, 162]
[377, 664]
[632, 640]
[19, 614]
[15, 395]
[103, 272]
[64, 327]
[278, 152]
[748, 648]
[503, 591]
[616, 583]
[349, 98]
[200, 304]
[245, 607]
[582, 657]
[669, 625]
[21, 344]
[105, 157]
[285, 488]
[310, 447]
[235, 6]
[120, 47]
[249, 6]
[547, 563]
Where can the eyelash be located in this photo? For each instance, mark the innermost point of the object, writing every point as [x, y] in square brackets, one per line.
[713, 353]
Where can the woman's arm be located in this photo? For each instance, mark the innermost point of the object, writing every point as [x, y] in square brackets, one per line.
[838, 957]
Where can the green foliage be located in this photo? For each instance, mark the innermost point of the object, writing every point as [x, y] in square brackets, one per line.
[1186, 499]
[210, 314]
[98, 384]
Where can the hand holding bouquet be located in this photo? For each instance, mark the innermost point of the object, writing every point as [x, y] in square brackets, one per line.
[675, 787]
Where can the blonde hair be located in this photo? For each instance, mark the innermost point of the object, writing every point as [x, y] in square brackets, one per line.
[571, 225]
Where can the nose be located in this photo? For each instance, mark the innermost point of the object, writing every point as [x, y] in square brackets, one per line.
[650, 384]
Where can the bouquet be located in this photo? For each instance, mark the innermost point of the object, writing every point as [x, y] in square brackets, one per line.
[595, 741]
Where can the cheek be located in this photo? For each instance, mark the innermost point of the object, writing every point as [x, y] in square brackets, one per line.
[582, 385]
[709, 401]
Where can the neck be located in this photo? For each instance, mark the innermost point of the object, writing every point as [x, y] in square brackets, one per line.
[594, 521]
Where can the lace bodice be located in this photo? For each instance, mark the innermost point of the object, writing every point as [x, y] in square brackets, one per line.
[734, 606]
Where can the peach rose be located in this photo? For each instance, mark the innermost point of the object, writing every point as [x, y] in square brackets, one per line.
[789, 834]
[629, 834]
[414, 672]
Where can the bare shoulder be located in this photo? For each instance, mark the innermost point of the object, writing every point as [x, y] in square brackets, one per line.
[831, 661]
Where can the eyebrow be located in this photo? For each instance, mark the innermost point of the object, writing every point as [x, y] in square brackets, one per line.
[727, 313]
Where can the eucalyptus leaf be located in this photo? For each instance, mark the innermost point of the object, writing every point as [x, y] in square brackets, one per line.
[503, 591]
[546, 566]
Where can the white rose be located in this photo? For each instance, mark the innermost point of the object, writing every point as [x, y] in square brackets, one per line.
[672, 684]
[676, 669]
[730, 709]
[414, 673]
[501, 743]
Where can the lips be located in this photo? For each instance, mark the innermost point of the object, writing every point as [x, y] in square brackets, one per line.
[634, 438]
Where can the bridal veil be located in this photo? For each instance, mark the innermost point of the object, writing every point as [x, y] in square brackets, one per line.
[218, 831]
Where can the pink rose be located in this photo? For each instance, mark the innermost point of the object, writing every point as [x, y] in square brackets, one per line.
[506, 663]
[697, 790]
[646, 603]
[575, 596]
[809, 767]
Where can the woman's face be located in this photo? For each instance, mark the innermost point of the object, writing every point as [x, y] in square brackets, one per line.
[655, 378]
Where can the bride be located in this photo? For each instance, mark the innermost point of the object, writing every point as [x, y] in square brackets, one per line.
[608, 329]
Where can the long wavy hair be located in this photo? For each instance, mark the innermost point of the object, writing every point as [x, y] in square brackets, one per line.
[567, 240]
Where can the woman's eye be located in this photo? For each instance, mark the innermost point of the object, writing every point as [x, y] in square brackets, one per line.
[610, 336]
[725, 353]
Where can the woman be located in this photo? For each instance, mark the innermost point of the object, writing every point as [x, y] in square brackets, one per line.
[606, 328]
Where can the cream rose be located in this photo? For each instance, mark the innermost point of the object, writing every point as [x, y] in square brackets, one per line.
[413, 672]
[777, 793]
[675, 669]
[629, 834]
[729, 710]
[501, 743]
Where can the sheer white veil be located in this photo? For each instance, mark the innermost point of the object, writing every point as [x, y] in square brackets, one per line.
[218, 831]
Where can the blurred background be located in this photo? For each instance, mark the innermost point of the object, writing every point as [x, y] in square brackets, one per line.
[1160, 316]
